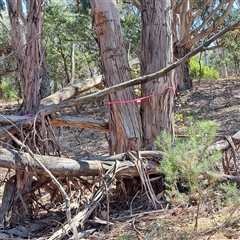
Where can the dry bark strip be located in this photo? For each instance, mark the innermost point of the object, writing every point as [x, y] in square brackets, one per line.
[69, 167]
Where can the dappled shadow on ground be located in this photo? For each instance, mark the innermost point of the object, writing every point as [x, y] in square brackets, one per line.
[217, 100]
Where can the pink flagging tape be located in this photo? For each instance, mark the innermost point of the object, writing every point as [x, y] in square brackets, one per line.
[138, 100]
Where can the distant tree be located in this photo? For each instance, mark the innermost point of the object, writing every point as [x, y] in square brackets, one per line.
[68, 28]
[232, 41]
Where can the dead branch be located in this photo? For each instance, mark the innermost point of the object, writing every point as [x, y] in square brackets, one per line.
[77, 122]
[60, 187]
[71, 91]
[223, 145]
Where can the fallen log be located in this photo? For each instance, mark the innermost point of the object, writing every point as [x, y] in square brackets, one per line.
[59, 166]
[61, 121]
[224, 144]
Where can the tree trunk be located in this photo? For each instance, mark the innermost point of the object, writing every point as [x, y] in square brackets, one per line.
[1, 91]
[156, 53]
[45, 87]
[26, 36]
[72, 63]
[183, 71]
[222, 56]
[124, 120]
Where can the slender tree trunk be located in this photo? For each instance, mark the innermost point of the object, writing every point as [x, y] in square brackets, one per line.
[157, 53]
[1, 91]
[72, 63]
[19, 87]
[183, 72]
[125, 122]
[222, 56]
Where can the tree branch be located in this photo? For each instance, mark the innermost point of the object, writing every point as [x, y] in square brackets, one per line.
[210, 29]
[64, 121]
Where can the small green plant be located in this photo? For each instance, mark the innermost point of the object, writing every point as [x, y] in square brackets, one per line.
[178, 117]
[186, 162]
[231, 193]
[125, 236]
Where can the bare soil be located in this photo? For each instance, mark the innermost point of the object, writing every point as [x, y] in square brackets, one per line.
[214, 100]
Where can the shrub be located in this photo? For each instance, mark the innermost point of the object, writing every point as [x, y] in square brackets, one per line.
[203, 72]
[9, 91]
[187, 164]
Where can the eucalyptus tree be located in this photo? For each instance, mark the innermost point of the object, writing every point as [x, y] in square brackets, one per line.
[26, 31]
[195, 21]
[26, 35]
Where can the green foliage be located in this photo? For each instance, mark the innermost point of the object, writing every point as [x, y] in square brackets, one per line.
[131, 24]
[203, 72]
[232, 40]
[186, 162]
[231, 193]
[178, 117]
[65, 25]
[9, 91]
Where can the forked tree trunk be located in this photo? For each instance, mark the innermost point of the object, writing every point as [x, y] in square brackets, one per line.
[183, 71]
[124, 120]
[26, 36]
[27, 41]
[156, 53]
